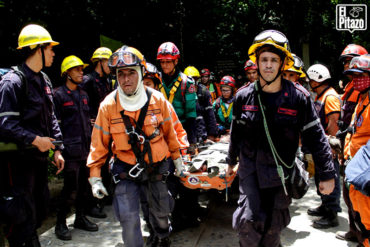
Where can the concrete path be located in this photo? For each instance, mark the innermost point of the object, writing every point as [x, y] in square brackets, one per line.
[215, 230]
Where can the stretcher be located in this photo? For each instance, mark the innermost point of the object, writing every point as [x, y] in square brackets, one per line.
[207, 170]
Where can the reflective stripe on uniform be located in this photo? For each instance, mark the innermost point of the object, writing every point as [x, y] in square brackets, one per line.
[199, 117]
[240, 122]
[167, 119]
[9, 113]
[209, 107]
[311, 124]
[101, 128]
[176, 122]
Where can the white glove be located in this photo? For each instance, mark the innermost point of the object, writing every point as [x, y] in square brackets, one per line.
[97, 187]
[179, 167]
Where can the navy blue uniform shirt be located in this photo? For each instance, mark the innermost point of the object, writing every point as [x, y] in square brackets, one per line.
[290, 114]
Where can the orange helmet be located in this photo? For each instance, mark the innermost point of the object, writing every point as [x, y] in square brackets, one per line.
[228, 81]
[352, 50]
[168, 50]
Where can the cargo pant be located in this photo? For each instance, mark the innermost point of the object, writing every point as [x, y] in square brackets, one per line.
[28, 174]
[126, 203]
[261, 214]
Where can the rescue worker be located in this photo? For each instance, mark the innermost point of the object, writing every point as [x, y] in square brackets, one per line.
[98, 85]
[27, 118]
[223, 106]
[262, 211]
[250, 69]
[213, 88]
[327, 104]
[140, 144]
[358, 181]
[349, 102]
[178, 89]
[152, 79]
[205, 121]
[294, 73]
[72, 112]
[350, 96]
[359, 135]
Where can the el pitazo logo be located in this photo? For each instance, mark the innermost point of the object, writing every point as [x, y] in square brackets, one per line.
[351, 17]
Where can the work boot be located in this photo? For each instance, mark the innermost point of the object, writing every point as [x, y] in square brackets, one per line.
[96, 212]
[33, 242]
[62, 232]
[347, 236]
[319, 211]
[81, 222]
[164, 242]
[330, 219]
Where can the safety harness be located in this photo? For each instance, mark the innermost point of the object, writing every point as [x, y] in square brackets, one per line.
[138, 138]
[174, 89]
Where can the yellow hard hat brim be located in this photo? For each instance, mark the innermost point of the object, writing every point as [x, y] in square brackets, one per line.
[32, 46]
[254, 47]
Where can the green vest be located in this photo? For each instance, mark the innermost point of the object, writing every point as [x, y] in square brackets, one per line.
[185, 97]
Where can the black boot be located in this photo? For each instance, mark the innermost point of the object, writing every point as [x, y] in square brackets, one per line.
[81, 222]
[61, 230]
[164, 242]
[34, 242]
[330, 219]
[319, 211]
[96, 212]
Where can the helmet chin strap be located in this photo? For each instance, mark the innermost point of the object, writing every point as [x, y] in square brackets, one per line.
[70, 78]
[102, 69]
[42, 57]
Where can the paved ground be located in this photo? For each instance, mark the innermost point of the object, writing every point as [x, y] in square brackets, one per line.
[215, 230]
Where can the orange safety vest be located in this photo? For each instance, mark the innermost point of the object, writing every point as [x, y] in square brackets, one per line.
[361, 124]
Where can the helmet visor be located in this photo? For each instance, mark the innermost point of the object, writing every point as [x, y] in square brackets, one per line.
[360, 63]
[274, 35]
[122, 59]
[298, 63]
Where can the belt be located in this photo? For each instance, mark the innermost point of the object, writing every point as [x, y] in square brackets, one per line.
[154, 177]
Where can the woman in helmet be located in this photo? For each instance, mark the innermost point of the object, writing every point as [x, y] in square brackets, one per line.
[208, 79]
[137, 120]
[359, 69]
[288, 114]
[223, 106]
[72, 112]
[27, 119]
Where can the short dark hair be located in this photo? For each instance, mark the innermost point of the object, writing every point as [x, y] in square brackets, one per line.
[270, 48]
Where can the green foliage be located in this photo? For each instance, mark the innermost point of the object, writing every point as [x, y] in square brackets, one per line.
[204, 30]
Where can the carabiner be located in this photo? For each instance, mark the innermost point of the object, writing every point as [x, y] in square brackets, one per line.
[136, 167]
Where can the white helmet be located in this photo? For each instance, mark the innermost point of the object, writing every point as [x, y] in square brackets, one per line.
[318, 73]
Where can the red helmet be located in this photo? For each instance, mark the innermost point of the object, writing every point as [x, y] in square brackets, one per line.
[352, 50]
[227, 81]
[205, 72]
[249, 65]
[168, 50]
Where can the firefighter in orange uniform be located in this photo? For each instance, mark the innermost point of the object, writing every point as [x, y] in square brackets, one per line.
[138, 122]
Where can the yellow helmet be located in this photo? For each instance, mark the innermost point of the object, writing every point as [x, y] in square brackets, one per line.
[298, 64]
[191, 71]
[70, 62]
[33, 35]
[101, 53]
[273, 38]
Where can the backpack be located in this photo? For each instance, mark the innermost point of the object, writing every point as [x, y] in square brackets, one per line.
[18, 71]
